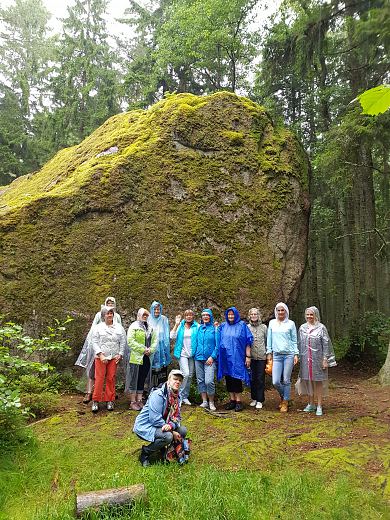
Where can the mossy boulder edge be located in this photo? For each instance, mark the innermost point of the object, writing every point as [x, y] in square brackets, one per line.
[197, 201]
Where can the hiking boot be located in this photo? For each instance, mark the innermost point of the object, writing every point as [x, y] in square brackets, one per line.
[95, 406]
[310, 408]
[110, 406]
[230, 405]
[239, 407]
[284, 406]
[144, 458]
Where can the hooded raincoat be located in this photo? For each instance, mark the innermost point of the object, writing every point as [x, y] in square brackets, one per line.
[314, 347]
[160, 326]
[207, 339]
[87, 356]
[234, 338]
[139, 337]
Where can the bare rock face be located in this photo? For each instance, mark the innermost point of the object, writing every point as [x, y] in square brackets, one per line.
[198, 201]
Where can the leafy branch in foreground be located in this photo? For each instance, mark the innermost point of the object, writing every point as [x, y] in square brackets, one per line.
[22, 356]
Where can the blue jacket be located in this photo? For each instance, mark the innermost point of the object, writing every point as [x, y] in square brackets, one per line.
[207, 339]
[234, 338]
[180, 336]
[151, 416]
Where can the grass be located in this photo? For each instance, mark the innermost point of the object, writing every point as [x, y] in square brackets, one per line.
[76, 452]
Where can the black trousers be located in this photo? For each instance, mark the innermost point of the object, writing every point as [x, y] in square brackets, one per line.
[258, 379]
[233, 385]
[143, 371]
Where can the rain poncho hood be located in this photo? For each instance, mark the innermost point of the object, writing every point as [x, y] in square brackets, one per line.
[234, 338]
[210, 313]
[160, 325]
[207, 339]
[111, 298]
[140, 314]
[237, 317]
[281, 304]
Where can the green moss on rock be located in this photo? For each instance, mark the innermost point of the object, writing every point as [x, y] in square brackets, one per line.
[184, 211]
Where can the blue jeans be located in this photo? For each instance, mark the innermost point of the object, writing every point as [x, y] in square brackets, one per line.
[205, 377]
[163, 439]
[281, 374]
[187, 367]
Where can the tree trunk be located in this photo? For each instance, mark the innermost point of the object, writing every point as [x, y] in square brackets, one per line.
[384, 373]
[109, 497]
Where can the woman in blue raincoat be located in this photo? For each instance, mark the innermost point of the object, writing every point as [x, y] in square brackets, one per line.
[234, 356]
[206, 352]
[162, 356]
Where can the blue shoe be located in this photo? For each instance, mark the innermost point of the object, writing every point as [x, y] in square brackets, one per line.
[310, 408]
[319, 410]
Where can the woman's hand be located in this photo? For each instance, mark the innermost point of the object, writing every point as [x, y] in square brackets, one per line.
[176, 436]
[247, 361]
[269, 357]
[147, 352]
[325, 364]
[295, 359]
[178, 319]
[216, 323]
[210, 361]
[166, 428]
[103, 358]
[117, 358]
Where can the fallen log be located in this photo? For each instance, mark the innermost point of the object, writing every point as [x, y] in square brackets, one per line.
[109, 497]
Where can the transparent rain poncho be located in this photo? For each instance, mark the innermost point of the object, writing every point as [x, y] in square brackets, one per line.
[86, 357]
[160, 326]
[314, 346]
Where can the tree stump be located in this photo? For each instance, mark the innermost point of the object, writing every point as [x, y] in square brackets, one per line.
[109, 497]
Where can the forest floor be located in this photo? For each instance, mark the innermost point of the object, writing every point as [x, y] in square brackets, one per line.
[347, 448]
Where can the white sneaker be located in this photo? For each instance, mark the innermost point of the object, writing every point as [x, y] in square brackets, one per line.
[259, 405]
[187, 402]
[205, 404]
[212, 407]
[252, 403]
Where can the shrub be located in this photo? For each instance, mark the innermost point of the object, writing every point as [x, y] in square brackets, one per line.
[40, 404]
[21, 369]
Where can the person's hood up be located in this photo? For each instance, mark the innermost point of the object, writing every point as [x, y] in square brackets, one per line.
[316, 313]
[140, 313]
[237, 317]
[281, 304]
[152, 317]
[210, 313]
[110, 298]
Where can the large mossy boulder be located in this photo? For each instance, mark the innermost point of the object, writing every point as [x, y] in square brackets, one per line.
[197, 201]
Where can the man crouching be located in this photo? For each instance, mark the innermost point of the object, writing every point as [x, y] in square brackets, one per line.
[159, 420]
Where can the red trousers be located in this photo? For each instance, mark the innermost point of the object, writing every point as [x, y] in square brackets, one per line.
[104, 371]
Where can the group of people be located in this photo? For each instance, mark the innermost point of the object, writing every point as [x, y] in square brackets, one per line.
[236, 350]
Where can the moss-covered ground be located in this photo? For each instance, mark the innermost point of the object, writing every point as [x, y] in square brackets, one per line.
[249, 465]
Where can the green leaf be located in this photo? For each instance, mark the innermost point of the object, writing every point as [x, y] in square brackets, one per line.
[376, 100]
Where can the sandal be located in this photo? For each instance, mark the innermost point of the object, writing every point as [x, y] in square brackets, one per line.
[87, 398]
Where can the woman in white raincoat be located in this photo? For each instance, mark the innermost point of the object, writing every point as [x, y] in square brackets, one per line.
[142, 344]
[86, 357]
[316, 355]
[108, 343]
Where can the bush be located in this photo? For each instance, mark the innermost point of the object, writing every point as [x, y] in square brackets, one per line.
[22, 370]
[41, 404]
